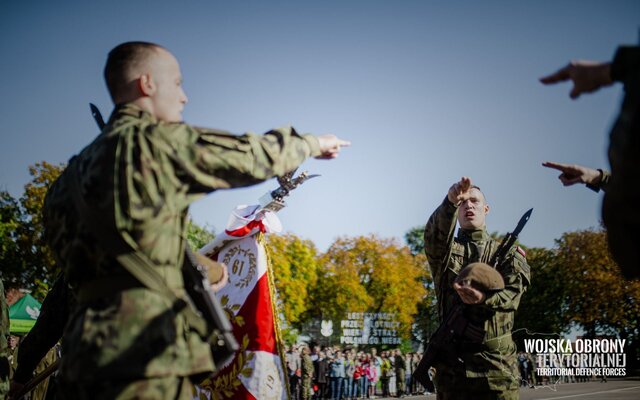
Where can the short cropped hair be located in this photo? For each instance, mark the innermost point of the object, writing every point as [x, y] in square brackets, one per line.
[479, 190]
[122, 60]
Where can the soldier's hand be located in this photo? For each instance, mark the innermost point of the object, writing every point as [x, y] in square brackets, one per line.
[468, 294]
[223, 281]
[587, 76]
[573, 173]
[459, 191]
[330, 146]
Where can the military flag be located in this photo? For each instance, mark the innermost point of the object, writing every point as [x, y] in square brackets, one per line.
[257, 370]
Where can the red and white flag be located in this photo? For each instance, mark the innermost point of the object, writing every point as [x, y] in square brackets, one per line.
[257, 371]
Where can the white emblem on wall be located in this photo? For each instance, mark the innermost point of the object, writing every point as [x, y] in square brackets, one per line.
[326, 328]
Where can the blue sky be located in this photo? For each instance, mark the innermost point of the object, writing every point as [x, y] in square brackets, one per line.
[427, 92]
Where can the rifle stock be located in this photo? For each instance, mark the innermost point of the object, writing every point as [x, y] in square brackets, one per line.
[223, 343]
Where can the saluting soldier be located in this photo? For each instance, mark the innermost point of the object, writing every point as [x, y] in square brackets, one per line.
[136, 181]
[489, 369]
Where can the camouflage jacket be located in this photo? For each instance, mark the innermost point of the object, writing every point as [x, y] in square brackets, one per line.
[4, 347]
[140, 175]
[495, 359]
[306, 366]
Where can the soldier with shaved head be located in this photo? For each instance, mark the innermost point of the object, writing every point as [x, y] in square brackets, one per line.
[135, 183]
[488, 369]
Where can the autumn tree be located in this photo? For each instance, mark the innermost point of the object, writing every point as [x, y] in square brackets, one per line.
[542, 309]
[295, 270]
[12, 262]
[29, 262]
[371, 274]
[597, 296]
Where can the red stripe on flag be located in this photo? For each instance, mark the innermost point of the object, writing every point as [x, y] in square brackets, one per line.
[258, 318]
[245, 230]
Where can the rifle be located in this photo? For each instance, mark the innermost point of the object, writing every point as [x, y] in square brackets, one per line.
[223, 343]
[509, 240]
[456, 327]
[442, 344]
[35, 381]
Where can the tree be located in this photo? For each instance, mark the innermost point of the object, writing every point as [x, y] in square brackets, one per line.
[41, 259]
[543, 306]
[597, 297]
[295, 271]
[371, 274]
[11, 259]
[198, 236]
[426, 319]
[28, 262]
[415, 239]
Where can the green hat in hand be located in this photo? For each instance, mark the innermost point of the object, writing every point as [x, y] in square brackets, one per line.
[481, 276]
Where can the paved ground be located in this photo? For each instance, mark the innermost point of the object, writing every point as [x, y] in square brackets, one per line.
[614, 389]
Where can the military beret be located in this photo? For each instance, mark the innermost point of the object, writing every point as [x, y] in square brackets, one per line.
[481, 276]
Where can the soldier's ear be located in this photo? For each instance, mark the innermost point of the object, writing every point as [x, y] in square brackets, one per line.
[486, 208]
[147, 85]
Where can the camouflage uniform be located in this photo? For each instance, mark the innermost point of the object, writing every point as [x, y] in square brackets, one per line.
[490, 369]
[307, 376]
[4, 347]
[401, 376]
[141, 174]
[618, 210]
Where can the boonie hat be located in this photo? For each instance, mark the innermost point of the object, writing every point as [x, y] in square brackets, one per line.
[481, 276]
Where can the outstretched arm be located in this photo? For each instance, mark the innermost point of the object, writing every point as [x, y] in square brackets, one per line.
[572, 173]
[587, 76]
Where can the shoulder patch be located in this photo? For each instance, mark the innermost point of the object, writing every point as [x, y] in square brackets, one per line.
[521, 251]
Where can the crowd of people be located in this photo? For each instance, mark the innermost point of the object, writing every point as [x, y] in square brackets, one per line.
[336, 373]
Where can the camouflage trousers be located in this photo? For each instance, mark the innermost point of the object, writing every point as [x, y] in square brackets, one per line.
[305, 388]
[166, 388]
[451, 386]
[400, 381]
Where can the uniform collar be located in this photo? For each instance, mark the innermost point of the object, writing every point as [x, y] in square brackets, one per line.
[473, 235]
[130, 109]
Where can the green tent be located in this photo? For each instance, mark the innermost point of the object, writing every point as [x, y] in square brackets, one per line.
[23, 314]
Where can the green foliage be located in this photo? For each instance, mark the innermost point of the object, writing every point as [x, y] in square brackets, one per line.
[198, 236]
[295, 267]
[11, 258]
[597, 295]
[415, 239]
[542, 307]
[26, 261]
